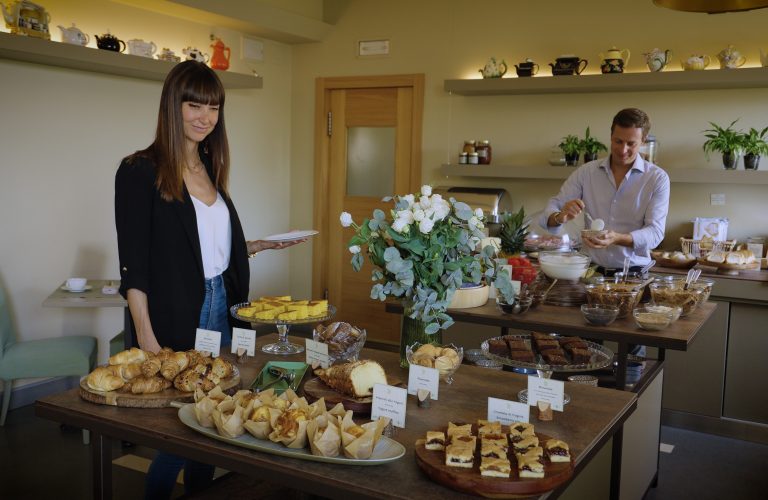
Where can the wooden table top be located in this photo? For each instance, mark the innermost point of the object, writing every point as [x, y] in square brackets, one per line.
[89, 298]
[569, 321]
[589, 420]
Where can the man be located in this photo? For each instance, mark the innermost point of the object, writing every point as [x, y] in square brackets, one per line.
[630, 194]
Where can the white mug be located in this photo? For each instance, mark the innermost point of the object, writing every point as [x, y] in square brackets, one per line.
[76, 284]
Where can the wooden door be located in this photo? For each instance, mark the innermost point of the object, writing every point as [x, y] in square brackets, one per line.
[368, 147]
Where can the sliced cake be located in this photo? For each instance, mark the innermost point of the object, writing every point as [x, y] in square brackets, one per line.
[435, 440]
[494, 467]
[558, 451]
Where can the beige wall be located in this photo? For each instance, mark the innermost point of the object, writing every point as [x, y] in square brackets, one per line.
[447, 39]
[62, 135]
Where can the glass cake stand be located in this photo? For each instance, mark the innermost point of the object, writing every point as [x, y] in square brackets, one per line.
[600, 357]
[282, 346]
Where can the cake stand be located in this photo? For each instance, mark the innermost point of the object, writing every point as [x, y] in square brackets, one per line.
[600, 357]
[282, 346]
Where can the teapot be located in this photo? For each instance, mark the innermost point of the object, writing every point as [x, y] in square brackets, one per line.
[139, 47]
[657, 59]
[168, 55]
[109, 42]
[492, 69]
[730, 58]
[695, 63]
[26, 18]
[218, 60]
[764, 58]
[73, 35]
[527, 68]
[613, 60]
[195, 55]
[568, 65]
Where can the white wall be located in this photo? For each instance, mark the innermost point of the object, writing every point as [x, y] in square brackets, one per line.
[62, 135]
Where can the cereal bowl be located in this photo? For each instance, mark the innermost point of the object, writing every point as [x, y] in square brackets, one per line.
[563, 265]
[599, 314]
[673, 295]
[621, 295]
[653, 317]
[445, 358]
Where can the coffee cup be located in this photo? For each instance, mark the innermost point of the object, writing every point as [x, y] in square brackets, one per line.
[76, 284]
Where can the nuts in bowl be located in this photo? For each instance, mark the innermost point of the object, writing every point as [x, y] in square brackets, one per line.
[446, 359]
[344, 340]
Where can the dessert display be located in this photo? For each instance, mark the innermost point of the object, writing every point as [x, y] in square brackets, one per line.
[344, 340]
[514, 460]
[282, 308]
[446, 359]
[354, 379]
[547, 352]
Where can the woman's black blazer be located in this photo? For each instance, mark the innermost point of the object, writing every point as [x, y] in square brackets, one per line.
[159, 251]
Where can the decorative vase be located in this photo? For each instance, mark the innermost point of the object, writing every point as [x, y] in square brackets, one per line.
[730, 159]
[571, 159]
[590, 157]
[412, 330]
[751, 161]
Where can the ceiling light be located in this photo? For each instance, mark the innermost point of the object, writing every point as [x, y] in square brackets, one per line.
[712, 6]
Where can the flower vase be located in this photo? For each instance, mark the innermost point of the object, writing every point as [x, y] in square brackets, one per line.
[413, 330]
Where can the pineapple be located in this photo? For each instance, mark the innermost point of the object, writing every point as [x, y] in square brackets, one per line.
[514, 229]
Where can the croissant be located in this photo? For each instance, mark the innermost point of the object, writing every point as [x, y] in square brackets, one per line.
[164, 353]
[222, 368]
[103, 379]
[195, 358]
[129, 371]
[174, 365]
[188, 380]
[149, 385]
[133, 355]
[151, 367]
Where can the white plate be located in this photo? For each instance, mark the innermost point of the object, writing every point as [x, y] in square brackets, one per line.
[387, 450]
[67, 289]
[292, 236]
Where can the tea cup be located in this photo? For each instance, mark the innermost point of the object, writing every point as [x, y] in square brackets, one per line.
[76, 284]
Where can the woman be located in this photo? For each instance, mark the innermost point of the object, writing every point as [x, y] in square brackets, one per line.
[183, 255]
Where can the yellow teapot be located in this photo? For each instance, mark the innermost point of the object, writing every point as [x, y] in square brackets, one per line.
[695, 63]
[730, 58]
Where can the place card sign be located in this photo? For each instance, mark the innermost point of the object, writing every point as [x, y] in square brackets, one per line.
[507, 412]
[422, 377]
[208, 341]
[546, 389]
[317, 354]
[243, 339]
[389, 401]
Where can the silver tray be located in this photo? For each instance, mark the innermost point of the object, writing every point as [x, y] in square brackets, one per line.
[601, 357]
[312, 319]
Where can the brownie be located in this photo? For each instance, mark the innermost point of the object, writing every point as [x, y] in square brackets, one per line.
[545, 345]
[580, 344]
[498, 347]
[541, 336]
[580, 356]
[518, 345]
[526, 356]
[568, 340]
[554, 358]
[554, 351]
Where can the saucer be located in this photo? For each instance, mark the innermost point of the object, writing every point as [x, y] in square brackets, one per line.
[67, 289]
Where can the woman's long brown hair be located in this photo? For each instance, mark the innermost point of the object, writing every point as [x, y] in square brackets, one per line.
[189, 81]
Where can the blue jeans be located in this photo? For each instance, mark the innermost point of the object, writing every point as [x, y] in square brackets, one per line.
[162, 474]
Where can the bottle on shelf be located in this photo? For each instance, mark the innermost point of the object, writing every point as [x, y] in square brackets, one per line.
[469, 147]
[483, 149]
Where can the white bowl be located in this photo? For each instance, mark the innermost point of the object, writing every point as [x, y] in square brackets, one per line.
[465, 298]
[563, 265]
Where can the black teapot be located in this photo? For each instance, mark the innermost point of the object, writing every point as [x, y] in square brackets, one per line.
[568, 65]
[109, 42]
[527, 68]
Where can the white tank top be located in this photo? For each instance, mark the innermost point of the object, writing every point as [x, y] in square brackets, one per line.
[215, 234]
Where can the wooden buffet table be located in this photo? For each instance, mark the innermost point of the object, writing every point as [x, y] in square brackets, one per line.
[588, 422]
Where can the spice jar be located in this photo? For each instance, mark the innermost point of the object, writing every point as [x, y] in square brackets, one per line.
[484, 152]
[463, 158]
[469, 147]
[473, 158]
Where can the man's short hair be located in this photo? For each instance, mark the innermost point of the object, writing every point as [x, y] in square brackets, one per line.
[632, 117]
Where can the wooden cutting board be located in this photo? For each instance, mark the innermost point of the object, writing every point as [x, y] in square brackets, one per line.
[315, 389]
[432, 462]
[157, 400]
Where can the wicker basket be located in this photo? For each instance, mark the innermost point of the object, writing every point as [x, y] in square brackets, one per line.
[702, 248]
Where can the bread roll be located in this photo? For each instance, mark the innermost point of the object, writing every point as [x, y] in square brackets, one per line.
[103, 379]
[132, 355]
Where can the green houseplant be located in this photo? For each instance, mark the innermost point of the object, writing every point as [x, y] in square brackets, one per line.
[754, 145]
[590, 146]
[725, 140]
[571, 147]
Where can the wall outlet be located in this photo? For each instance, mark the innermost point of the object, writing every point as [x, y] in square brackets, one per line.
[717, 199]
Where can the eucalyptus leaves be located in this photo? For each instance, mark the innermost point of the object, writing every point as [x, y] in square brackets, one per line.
[423, 253]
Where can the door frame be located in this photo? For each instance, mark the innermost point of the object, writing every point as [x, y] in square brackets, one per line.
[323, 88]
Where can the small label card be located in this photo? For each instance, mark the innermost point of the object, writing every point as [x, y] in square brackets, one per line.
[243, 339]
[317, 354]
[389, 401]
[421, 377]
[546, 389]
[209, 341]
[507, 412]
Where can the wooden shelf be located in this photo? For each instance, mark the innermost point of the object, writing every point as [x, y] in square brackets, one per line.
[35, 50]
[546, 172]
[624, 82]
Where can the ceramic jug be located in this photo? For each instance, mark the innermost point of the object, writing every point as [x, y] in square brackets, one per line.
[526, 68]
[195, 55]
[492, 69]
[613, 60]
[73, 35]
[730, 58]
[109, 42]
[657, 59]
[139, 47]
[694, 63]
[218, 59]
[568, 65]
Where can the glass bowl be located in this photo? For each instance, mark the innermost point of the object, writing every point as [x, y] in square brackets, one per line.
[436, 356]
[625, 296]
[520, 306]
[706, 285]
[489, 363]
[653, 317]
[673, 294]
[676, 311]
[599, 314]
[563, 265]
[344, 341]
[474, 355]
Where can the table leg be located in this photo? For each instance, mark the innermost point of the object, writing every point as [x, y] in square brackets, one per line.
[101, 465]
[616, 451]
[621, 369]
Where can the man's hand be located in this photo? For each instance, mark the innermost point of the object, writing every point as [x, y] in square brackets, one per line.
[571, 209]
[609, 238]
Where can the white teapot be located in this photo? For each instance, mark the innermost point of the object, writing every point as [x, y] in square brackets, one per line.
[730, 58]
[492, 69]
[73, 35]
[657, 59]
[195, 55]
[694, 63]
[139, 47]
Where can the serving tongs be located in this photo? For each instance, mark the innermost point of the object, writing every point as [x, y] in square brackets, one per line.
[281, 374]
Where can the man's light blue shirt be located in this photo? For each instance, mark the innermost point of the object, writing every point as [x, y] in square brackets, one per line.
[638, 207]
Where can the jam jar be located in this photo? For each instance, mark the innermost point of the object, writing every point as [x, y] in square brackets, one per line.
[483, 149]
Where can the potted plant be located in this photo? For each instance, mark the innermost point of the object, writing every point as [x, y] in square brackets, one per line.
[571, 146]
[590, 146]
[754, 145]
[725, 140]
